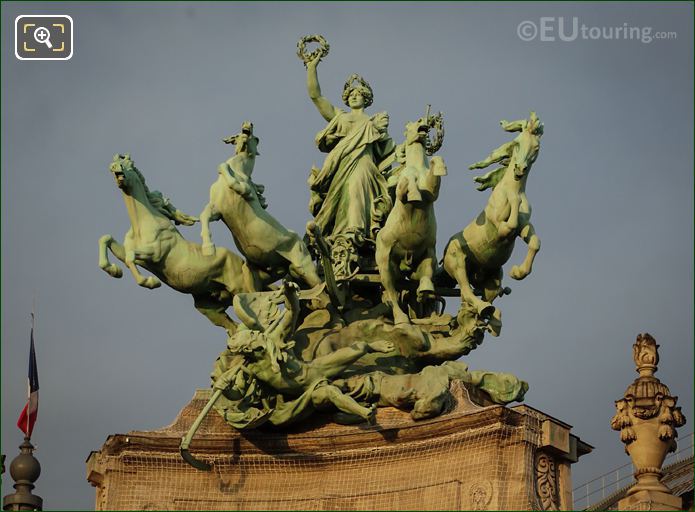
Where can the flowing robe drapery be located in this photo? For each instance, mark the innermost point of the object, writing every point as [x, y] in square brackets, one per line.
[347, 188]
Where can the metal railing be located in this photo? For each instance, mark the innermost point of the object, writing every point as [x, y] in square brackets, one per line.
[601, 487]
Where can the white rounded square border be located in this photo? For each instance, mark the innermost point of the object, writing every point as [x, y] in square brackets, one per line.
[72, 35]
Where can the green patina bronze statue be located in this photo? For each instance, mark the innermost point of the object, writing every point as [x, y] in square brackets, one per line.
[269, 248]
[359, 320]
[475, 256]
[268, 358]
[349, 196]
[406, 243]
[426, 394]
[155, 244]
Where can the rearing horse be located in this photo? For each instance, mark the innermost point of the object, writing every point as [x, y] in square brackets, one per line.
[153, 243]
[406, 243]
[267, 245]
[475, 256]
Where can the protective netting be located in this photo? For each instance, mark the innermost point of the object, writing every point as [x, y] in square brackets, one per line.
[480, 459]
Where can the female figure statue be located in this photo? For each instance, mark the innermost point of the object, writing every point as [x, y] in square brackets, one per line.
[349, 197]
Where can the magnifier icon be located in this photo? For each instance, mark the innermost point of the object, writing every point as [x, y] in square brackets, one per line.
[43, 36]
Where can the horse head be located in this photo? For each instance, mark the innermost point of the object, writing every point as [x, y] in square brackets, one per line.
[416, 132]
[527, 147]
[125, 173]
[245, 141]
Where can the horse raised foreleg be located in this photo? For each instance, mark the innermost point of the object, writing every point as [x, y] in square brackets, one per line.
[431, 181]
[150, 282]
[404, 189]
[216, 312]
[108, 243]
[455, 266]
[209, 214]
[240, 187]
[506, 228]
[528, 234]
[387, 273]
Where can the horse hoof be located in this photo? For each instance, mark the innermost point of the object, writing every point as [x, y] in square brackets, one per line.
[152, 283]
[208, 249]
[517, 273]
[494, 326]
[114, 271]
[425, 290]
[487, 311]
[426, 295]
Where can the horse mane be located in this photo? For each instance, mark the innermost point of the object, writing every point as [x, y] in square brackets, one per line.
[492, 178]
[161, 203]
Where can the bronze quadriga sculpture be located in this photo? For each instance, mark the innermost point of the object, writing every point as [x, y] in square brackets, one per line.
[350, 317]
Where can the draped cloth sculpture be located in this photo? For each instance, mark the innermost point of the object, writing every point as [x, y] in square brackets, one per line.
[349, 195]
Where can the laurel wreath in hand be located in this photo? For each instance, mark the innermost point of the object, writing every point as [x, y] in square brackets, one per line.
[321, 51]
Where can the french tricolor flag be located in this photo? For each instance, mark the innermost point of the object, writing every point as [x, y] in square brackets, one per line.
[28, 416]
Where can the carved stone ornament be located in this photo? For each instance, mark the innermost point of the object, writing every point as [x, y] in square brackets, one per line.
[546, 482]
[480, 494]
[647, 418]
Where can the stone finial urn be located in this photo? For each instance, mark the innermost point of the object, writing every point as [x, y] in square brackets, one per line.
[647, 418]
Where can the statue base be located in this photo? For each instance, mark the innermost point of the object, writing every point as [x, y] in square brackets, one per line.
[650, 500]
[478, 456]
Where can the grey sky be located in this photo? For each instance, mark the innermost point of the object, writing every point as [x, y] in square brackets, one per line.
[612, 193]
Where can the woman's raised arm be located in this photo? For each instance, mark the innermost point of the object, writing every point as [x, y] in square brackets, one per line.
[312, 84]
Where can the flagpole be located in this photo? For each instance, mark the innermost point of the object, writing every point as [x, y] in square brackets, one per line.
[31, 341]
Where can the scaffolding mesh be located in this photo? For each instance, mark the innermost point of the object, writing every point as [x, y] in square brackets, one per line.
[473, 460]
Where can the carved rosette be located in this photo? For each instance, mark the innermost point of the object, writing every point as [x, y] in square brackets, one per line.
[546, 482]
[480, 495]
[647, 418]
